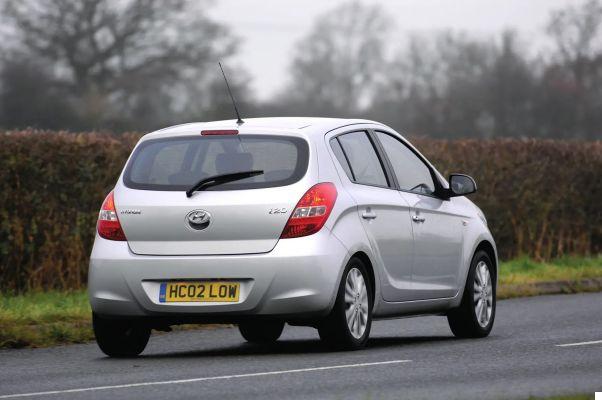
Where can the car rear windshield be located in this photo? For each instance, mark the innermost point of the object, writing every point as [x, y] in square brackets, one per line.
[173, 164]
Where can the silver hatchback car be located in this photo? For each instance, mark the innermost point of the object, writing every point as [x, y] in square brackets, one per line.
[319, 222]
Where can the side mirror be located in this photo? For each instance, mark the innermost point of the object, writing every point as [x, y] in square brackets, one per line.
[461, 185]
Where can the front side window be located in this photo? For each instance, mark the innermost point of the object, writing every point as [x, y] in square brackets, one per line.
[177, 163]
[412, 173]
[364, 165]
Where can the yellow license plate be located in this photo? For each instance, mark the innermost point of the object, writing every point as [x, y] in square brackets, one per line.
[203, 292]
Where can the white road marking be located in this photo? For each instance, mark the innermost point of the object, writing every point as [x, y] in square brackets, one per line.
[207, 378]
[579, 343]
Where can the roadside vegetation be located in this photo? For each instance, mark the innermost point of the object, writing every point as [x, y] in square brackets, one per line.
[525, 270]
[47, 230]
[525, 277]
[40, 319]
[569, 397]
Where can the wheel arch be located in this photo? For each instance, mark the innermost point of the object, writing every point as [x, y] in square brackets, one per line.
[488, 248]
[370, 269]
[485, 243]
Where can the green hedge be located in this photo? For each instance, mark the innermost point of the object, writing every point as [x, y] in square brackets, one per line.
[52, 186]
[542, 198]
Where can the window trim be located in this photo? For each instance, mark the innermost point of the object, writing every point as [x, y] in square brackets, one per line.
[391, 184]
[336, 139]
[439, 189]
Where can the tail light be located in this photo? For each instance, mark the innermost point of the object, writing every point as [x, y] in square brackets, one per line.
[311, 211]
[108, 223]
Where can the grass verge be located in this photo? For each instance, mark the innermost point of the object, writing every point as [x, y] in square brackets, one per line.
[525, 277]
[569, 397]
[525, 270]
[41, 319]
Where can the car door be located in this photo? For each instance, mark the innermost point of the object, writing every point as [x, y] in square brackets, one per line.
[383, 213]
[437, 227]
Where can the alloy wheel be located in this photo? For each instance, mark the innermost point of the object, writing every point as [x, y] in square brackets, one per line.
[483, 294]
[356, 303]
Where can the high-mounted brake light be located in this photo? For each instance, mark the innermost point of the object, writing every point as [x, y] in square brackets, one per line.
[108, 223]
[217, 132]
[311, 211]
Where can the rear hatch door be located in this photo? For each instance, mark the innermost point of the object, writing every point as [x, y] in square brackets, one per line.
[241, 217]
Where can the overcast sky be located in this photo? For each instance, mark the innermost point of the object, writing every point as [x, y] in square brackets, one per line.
[270, 28]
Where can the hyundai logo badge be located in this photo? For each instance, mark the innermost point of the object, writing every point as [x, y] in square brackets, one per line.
[198, 219]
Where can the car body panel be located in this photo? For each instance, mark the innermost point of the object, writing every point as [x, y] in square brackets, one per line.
[438, 242]
[240, 224]
[295, 277]
[388, 230]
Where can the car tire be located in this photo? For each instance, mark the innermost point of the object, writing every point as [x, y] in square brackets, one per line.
[354, 300]
[120, 338]
[475, 316]
[264, 332]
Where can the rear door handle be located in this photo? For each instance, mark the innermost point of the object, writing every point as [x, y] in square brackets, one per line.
[368, 215]
[417, 218]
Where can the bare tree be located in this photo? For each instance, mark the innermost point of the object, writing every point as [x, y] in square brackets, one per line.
[29, 97]
[142, 60]
[451, 85]
[572, 85]
[577, 31]
[510, 88]
[335, 66]
[411, 93]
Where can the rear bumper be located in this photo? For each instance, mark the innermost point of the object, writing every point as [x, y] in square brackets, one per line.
[298, 278]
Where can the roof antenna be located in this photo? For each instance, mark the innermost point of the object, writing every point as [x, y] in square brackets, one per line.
[240, 121]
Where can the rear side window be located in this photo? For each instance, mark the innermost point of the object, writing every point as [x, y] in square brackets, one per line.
[338, 152]
[364, 165]
[174, 164]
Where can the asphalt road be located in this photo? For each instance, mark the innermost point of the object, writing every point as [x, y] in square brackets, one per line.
[408, 358]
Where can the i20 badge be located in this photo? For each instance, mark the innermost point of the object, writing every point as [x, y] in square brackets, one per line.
[198, 219]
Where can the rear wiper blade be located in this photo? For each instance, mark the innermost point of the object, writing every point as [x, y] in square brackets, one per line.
[220, 179]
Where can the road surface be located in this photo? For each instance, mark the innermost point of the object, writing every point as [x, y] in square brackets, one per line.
[540, 346]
